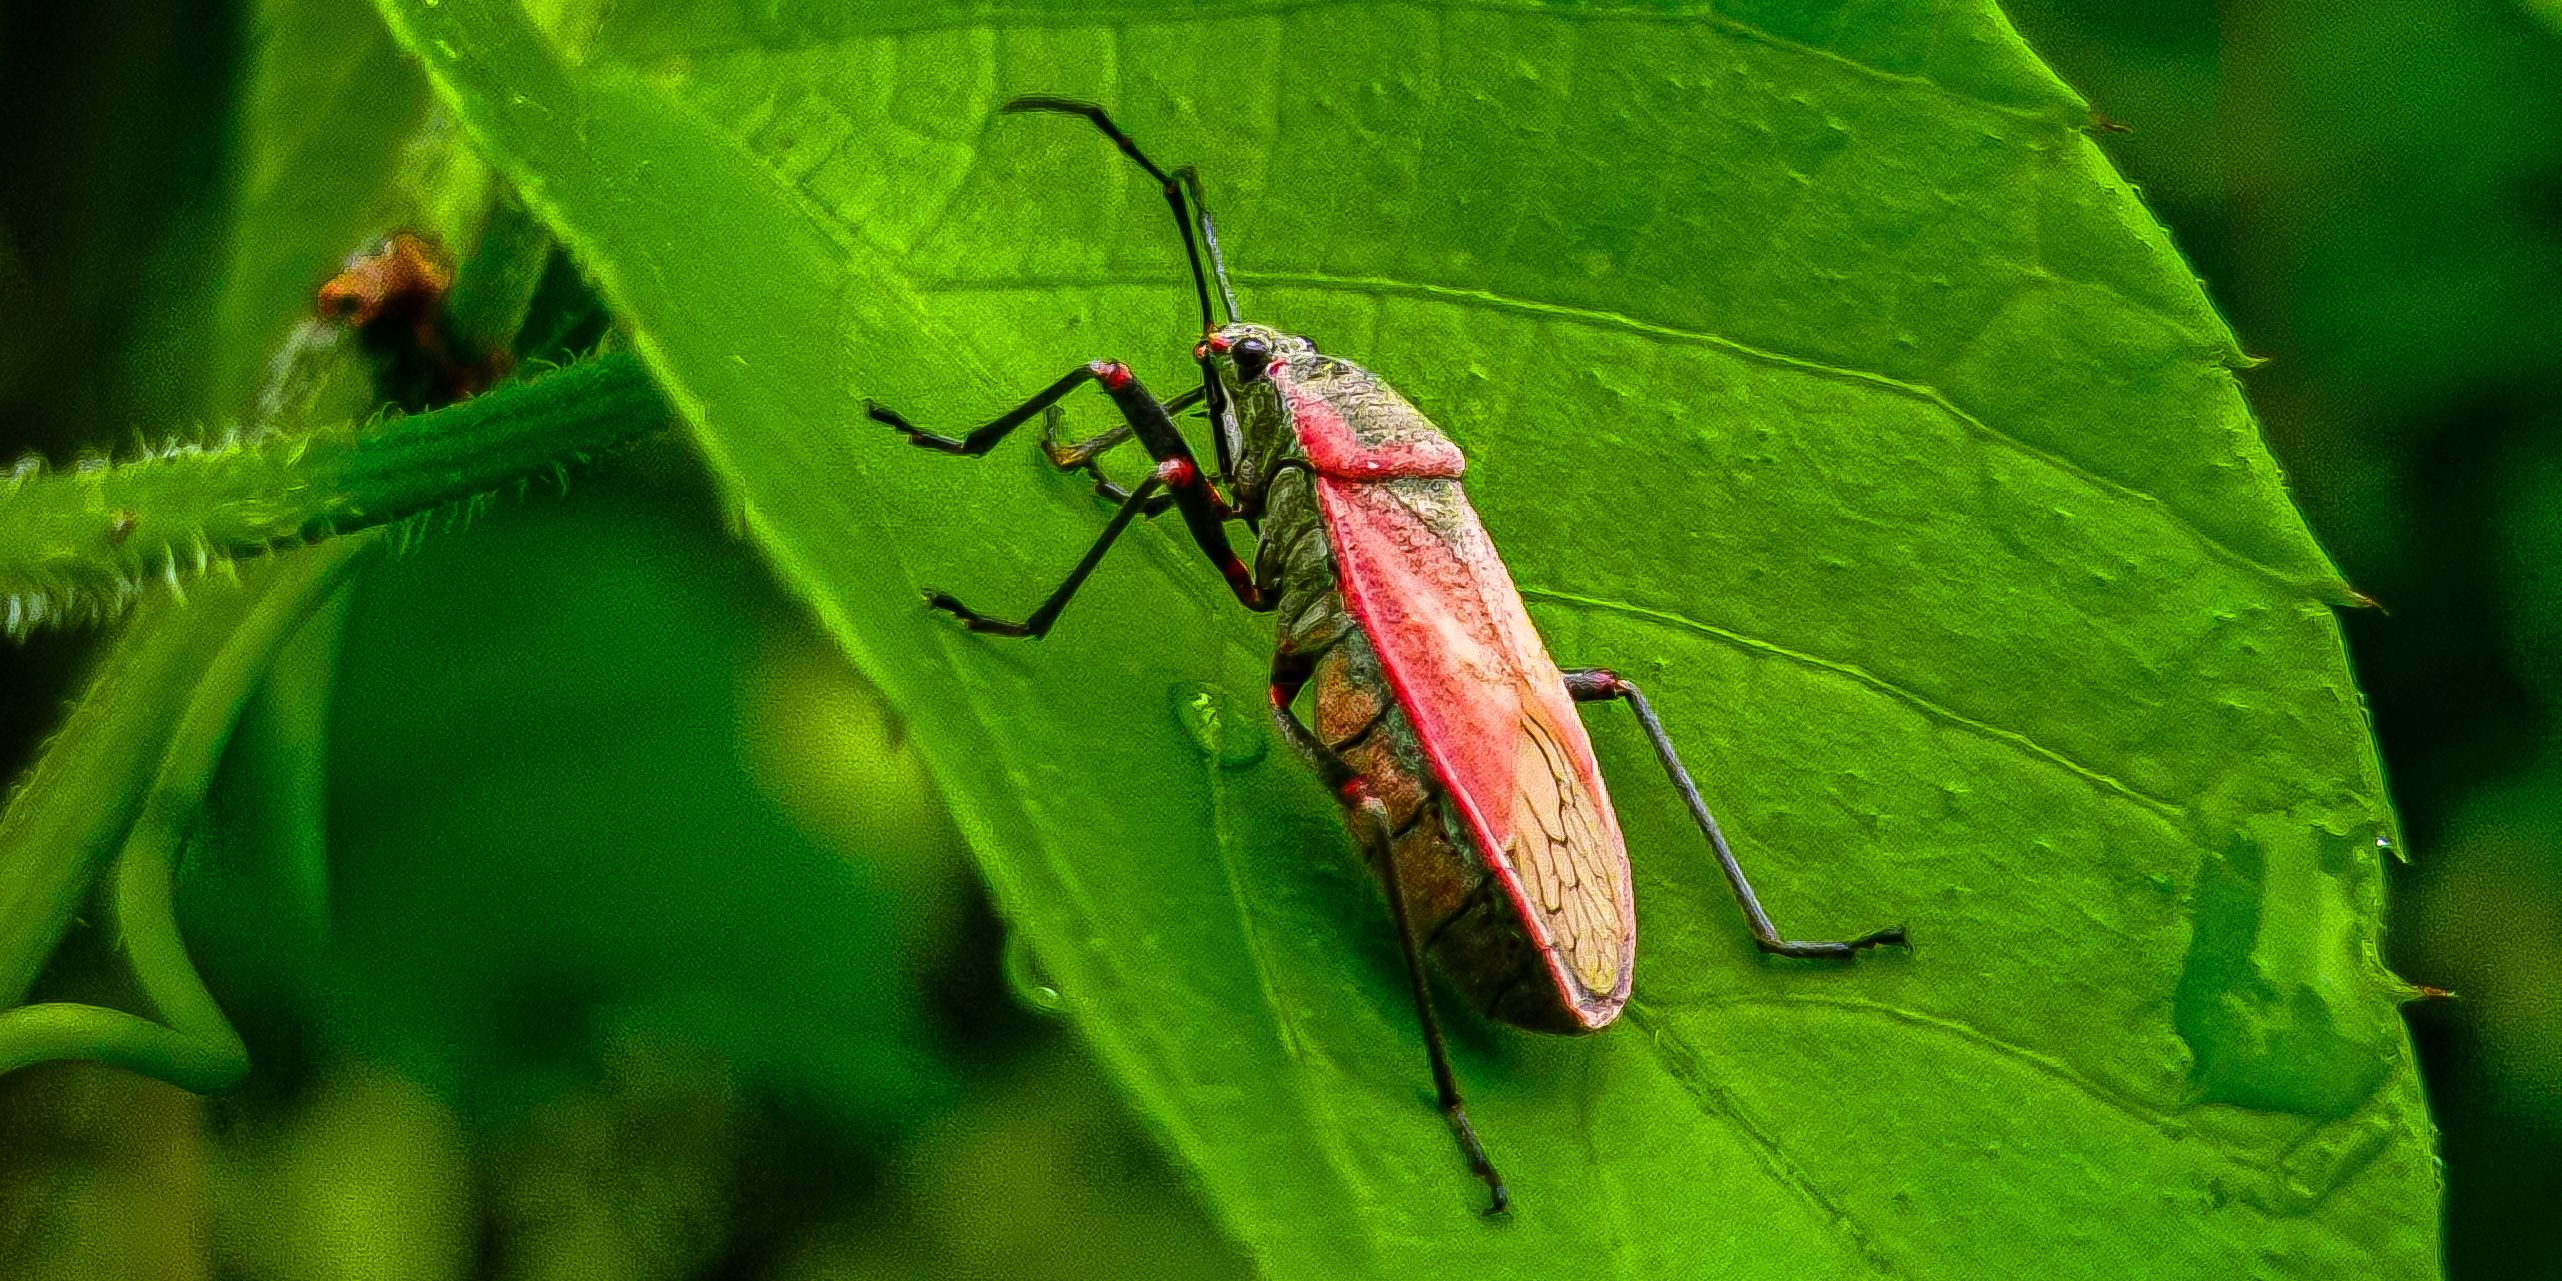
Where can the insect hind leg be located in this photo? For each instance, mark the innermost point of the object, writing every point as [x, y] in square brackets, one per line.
[1371, 826]
[1597, 684]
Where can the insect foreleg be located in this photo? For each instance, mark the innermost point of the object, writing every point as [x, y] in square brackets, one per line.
[985, 438]
[1595, 684]
[1038, 624]
[1370, 825]
[1085, 454]
[1205, 512]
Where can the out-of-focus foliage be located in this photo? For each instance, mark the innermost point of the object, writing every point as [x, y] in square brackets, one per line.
[736, 1006]
[581, 913]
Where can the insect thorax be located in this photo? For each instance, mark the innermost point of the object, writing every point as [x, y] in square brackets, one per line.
[1292, 401]
[1263, 422]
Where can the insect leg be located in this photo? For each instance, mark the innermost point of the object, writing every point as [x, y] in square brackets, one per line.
[1289, 672]
[1083, 453]
[1205, 512]
[1038, 624]
[984, 439]
[1596, 684]
[1086, 454]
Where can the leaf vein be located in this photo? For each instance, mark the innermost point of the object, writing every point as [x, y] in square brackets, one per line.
[2328, 589]
[2214, 546]
[1683, 1064]
[2015, 739]
[2108, 1096]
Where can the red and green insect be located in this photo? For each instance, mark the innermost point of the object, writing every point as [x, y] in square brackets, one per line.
[1444, 728]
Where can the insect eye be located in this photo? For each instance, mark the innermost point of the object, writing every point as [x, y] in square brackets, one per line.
[1253, 356]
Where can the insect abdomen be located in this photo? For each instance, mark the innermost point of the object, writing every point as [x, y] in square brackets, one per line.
[1461, 912]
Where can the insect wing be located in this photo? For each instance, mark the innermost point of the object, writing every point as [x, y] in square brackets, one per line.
[1568, 857]
[1494, 719]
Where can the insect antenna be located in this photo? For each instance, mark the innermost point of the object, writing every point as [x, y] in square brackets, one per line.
[1174, 184]
[1210, 237]
[1230, 436]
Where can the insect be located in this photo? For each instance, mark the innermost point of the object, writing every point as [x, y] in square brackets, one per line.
[393, 297]
[1449, 736]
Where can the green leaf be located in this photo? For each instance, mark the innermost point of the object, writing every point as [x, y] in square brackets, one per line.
[1815, 370]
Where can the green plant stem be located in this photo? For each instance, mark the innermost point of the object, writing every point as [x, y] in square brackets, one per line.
[62, 826]
[82, 542]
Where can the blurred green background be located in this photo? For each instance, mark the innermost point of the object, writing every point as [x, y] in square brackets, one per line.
[791, 1042]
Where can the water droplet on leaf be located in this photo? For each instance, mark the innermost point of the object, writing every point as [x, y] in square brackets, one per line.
[1032, 989]
[1225, 728]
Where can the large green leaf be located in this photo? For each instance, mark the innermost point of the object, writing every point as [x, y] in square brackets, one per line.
[1817, 371]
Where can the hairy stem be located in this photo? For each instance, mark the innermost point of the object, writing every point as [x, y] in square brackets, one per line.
[82, 542]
